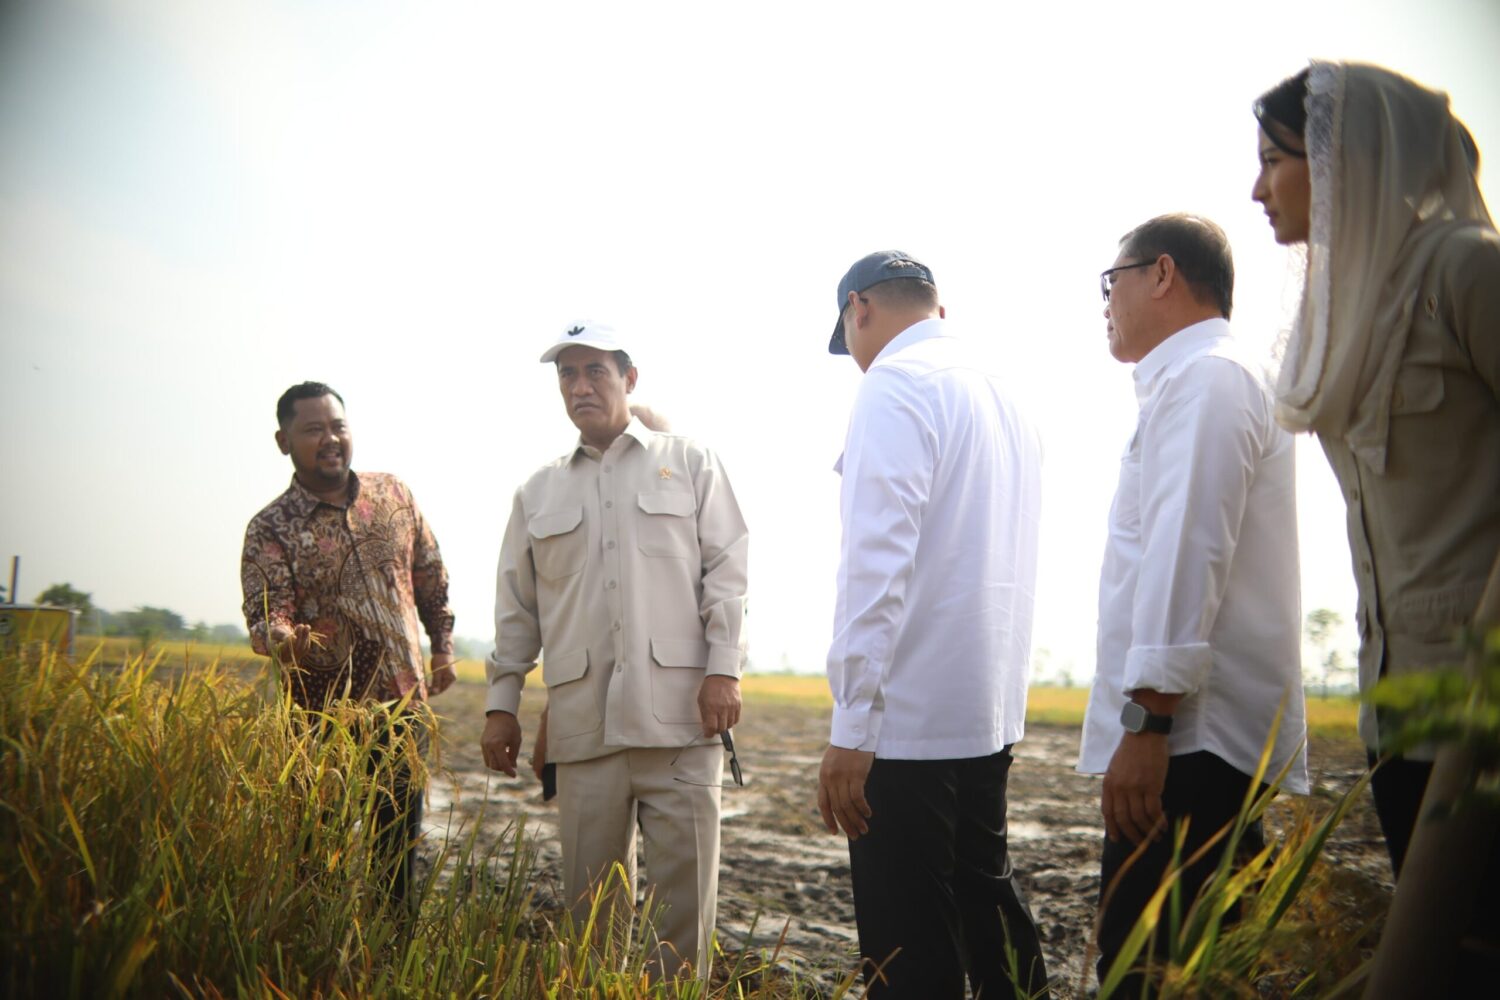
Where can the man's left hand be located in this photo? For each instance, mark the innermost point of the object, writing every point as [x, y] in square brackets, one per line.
[1131, 802]
[719, 703]
[841, 790]
[443, 674]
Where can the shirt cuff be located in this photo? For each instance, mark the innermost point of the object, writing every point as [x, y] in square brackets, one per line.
[505, 691]
[441, 643]
[725, 660]
[1168, 669]
[856, 728]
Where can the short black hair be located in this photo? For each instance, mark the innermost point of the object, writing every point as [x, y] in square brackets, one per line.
[1285, 105]
[1197, 246]
[286, 406]
[915, 293]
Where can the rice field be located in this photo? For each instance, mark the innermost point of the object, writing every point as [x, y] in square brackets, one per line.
[169, 826]
[1333, 716]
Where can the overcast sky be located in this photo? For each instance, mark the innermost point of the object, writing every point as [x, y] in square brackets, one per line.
[203, 202]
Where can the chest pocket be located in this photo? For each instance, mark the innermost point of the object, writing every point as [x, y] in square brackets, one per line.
[1419, 380]
[1419, 389]
[666, 527]
[558, 542]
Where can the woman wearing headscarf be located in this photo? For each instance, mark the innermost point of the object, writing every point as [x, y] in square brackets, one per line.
[1393, 360]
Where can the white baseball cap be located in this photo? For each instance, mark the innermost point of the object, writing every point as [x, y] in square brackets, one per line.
[584, 335]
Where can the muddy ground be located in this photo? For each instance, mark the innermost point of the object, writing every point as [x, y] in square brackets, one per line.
[782, 870]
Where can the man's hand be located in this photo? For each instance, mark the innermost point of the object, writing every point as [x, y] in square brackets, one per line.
[501, 742]
[719, 703]
[443, 674]
[291, 644]
[539, 755]
[841, 790]
[1131, 802]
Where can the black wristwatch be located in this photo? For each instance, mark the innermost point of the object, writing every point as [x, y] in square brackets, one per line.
[1136, 719]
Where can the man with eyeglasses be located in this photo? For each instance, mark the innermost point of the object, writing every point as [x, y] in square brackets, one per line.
[940, 501]
[625, 564]
[1199, 644]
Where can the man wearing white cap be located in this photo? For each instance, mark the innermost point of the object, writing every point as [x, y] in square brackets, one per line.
[625, 560]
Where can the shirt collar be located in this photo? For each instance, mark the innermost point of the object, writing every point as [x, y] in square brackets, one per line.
[303, 503]
[635, 429]
[922, 330]
[926, 329]
[1189, 342]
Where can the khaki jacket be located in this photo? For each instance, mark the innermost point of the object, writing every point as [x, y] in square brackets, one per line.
[629, 569]
[1425, 534]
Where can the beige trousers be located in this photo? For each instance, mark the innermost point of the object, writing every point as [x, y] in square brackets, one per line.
[674, 794]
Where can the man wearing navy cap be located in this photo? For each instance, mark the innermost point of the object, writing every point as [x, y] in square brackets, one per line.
[929, 664]
[626, 561]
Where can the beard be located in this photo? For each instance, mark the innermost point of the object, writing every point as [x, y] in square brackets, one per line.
[321, 478]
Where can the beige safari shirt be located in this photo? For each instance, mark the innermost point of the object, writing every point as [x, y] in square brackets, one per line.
[1425, 533]
[629, 569]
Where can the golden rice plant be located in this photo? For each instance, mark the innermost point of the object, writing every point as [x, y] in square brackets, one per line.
[198, 835]
[1284, 942]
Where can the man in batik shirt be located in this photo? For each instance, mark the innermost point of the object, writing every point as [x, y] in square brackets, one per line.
[337, 572]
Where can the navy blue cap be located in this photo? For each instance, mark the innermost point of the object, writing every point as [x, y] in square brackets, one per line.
[872, 269]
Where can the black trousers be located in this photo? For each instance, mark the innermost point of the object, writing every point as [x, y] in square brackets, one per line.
[396, 819]
[1202, 787]
[1398, 786]
[933, 884]
[398, 810]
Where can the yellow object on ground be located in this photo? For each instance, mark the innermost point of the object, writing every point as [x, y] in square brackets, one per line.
[29, 625]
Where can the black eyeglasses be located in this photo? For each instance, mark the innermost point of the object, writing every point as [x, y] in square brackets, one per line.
[1107, 278]
[734, 758]
[734, 762]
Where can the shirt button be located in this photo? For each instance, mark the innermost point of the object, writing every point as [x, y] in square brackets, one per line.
[619, 667]
[611, 585]
[1354, 494]
[616, 626]
[608, 468]
[1365, 565]
[609, 545]
[609, 503]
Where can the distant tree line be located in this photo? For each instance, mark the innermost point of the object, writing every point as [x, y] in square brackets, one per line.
[146, 623]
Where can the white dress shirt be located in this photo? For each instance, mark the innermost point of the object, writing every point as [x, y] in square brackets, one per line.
[940, 500]
[1199, 594]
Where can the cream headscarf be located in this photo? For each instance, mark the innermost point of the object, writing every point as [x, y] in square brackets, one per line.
[1390, 181]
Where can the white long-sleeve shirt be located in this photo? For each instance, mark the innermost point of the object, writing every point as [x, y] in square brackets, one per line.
[940, 500]
[1199, 593]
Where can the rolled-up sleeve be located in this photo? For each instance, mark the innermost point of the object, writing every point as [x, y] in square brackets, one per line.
[724, 547]
[889, 456]
[1198, 454]
[517, 628]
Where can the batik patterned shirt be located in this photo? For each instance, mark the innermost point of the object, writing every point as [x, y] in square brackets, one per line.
[361, 576]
